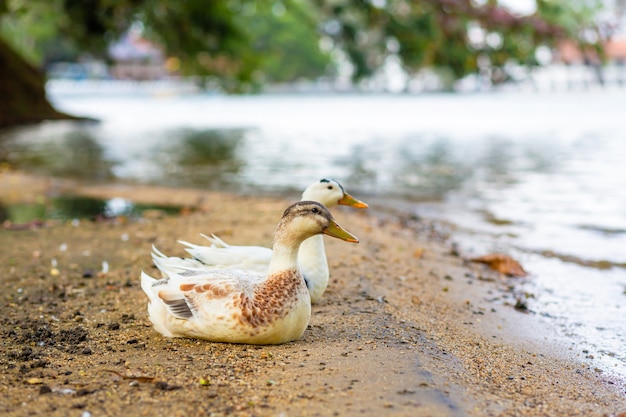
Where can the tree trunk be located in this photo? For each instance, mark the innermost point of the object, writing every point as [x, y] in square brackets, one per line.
[22, 92]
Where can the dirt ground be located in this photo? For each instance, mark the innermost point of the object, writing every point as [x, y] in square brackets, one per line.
[406, 328]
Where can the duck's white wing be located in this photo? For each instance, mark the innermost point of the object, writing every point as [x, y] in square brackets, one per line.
[216, 242]
[175, 263]
[222, 255]
[197, 302]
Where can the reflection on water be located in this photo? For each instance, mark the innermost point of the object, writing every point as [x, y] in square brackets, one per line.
[68, 207]
[360, 173]
[431, 171]
[178, 157]
[71, 152]
[224, 158]
[77, 156]
[53, 208]
[200, 158]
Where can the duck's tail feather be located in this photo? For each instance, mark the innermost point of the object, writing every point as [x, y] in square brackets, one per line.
[157, 308]
[215, 241]
[171, 264]
[157, 253]
[147, 283]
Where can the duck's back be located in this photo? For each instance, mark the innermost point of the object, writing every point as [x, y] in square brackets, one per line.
[250, 258]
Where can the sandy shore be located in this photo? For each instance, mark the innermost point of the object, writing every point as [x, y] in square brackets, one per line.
[406, 328]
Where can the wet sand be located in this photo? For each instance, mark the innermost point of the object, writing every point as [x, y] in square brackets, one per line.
[407, 327]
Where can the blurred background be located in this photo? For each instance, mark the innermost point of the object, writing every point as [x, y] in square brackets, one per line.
[501, 120]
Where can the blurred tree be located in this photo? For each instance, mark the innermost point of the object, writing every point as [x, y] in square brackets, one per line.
[22, 91]
[241, 44]
[238, 44]
[286, 36]
[460, 36]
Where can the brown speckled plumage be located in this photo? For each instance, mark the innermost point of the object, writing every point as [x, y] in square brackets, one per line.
[270, 301]
[209, 289]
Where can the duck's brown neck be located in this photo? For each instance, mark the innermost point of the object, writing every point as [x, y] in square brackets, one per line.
[285, 249]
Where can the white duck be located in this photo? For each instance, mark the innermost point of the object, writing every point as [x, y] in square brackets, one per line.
[311, 256]
[239, 306]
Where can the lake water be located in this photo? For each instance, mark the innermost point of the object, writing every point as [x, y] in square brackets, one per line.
[540, 176]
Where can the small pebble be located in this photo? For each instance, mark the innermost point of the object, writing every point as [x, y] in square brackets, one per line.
[44, 389]
[35, 381]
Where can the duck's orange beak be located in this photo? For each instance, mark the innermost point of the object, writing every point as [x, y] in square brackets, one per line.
[348, 200]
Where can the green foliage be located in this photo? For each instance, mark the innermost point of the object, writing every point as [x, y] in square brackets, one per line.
[27, 26]
[204, 36]
[286, 37]
[242, 44]
[577, 20]
[238, 42]
[435, 33]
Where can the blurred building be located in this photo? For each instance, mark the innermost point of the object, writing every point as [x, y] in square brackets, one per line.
[614, 50]
[135, 58]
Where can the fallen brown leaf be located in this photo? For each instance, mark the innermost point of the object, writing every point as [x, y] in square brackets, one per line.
[502, 263]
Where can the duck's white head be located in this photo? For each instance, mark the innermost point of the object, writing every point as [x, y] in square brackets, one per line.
[308, 218]
[330, 193]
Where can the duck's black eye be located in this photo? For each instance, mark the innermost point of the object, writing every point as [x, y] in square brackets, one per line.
[330, 187]
[316, 210]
